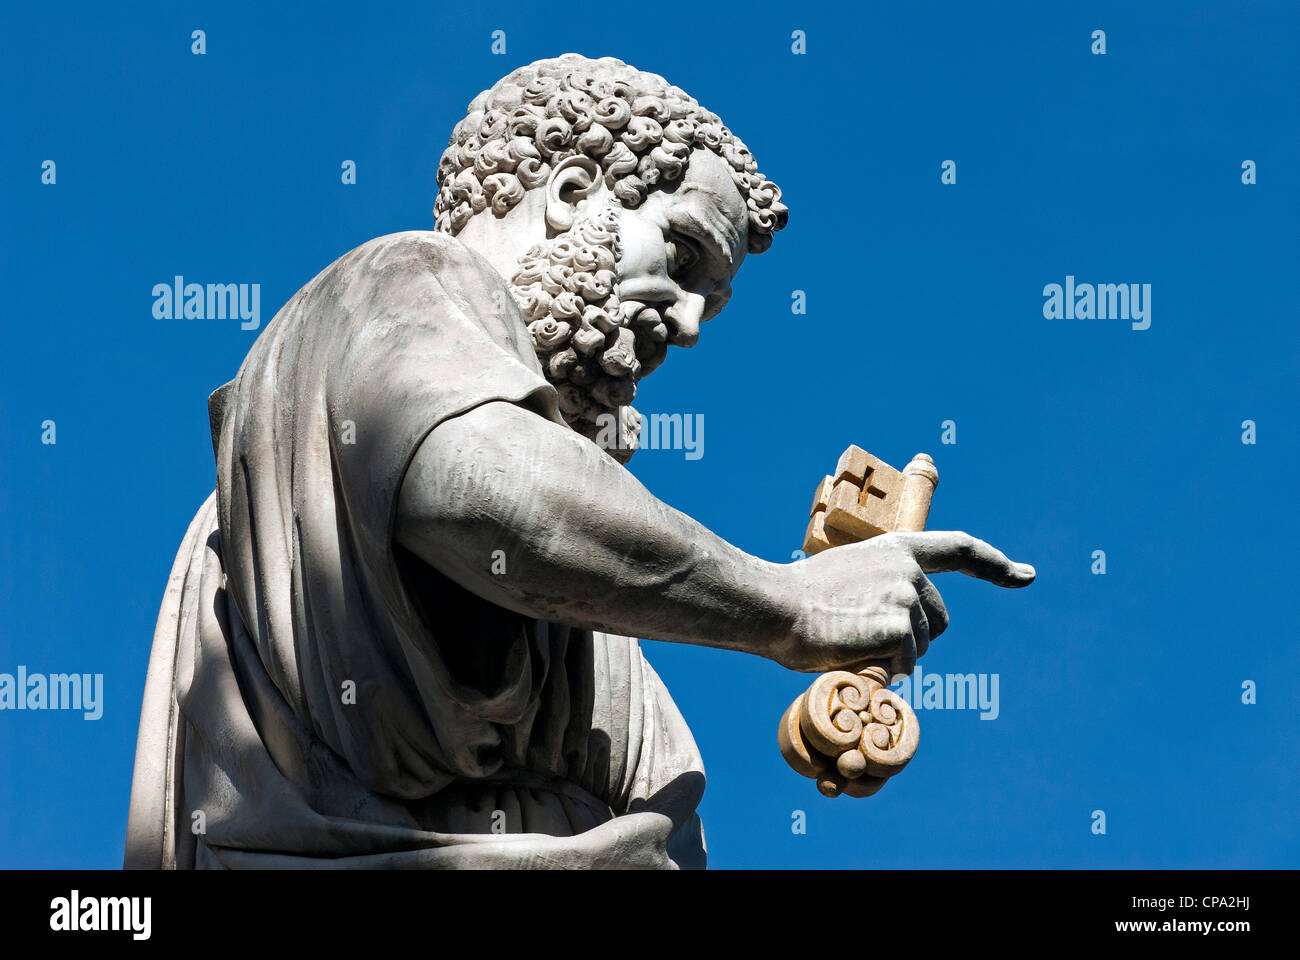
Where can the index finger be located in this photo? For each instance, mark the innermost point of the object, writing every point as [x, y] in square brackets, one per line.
[943, 551]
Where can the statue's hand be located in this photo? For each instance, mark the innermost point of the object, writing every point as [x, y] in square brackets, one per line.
[633, 841]
[872, 601]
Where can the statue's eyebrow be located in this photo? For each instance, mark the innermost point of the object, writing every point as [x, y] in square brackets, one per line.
[708, 234]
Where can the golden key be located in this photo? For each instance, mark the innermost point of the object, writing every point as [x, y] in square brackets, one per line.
[849, 731]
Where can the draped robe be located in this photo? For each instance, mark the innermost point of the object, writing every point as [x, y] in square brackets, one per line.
[318, 696]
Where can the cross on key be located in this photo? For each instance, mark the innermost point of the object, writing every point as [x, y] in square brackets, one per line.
[866, 497]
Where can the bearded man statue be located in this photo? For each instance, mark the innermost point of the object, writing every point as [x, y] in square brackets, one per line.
[401, 631]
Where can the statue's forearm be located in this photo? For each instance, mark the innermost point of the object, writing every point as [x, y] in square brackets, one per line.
[580, 540]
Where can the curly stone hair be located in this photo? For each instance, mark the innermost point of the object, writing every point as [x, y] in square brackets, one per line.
[639, 128]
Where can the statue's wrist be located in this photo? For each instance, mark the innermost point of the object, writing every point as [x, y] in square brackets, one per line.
[777, 611]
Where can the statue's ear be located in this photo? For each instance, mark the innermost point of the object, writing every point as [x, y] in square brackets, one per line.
[217, 401]
[571, 181]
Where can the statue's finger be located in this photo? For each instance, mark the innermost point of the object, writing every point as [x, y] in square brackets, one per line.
[901, 665]
[942, 551]
[936, 611]
[920, 630]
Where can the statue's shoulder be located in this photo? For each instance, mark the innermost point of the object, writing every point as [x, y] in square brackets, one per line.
[391, 273]
[420, 251]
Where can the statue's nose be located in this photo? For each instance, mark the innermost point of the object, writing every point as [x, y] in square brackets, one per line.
[684, 320]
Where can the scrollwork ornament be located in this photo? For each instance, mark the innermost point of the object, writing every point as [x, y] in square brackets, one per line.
[849, 732]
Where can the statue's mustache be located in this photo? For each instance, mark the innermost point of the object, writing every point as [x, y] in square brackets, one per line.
[651, 333]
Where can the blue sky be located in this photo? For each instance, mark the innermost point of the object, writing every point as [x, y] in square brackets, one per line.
[1119, 692]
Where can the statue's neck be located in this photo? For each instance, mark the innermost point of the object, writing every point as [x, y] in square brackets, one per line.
[503, 240]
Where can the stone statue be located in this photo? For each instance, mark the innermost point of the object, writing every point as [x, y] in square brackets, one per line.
[400, 632]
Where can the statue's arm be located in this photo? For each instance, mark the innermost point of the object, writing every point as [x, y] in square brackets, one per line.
[582, 542]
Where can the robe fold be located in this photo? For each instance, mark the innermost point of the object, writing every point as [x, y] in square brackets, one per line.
[317, 696]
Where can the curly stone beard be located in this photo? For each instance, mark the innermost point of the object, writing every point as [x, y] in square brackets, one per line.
[593, 346]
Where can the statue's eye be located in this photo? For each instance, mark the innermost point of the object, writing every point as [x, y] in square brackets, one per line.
[683, 255]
